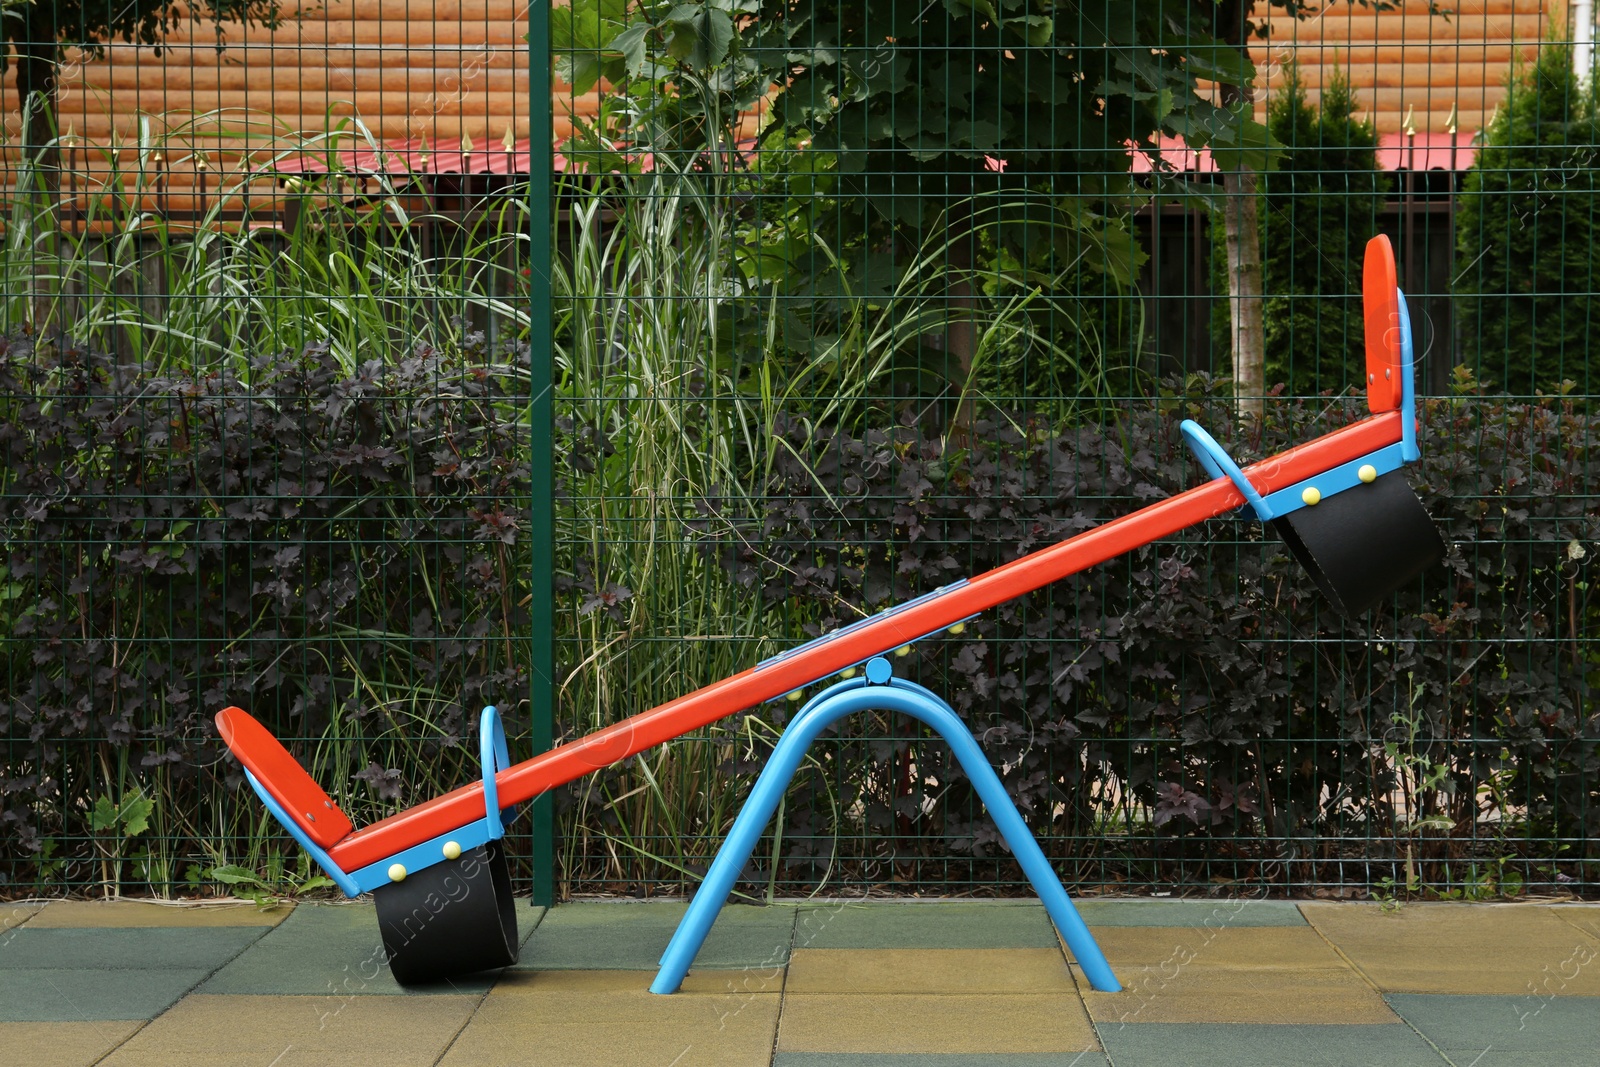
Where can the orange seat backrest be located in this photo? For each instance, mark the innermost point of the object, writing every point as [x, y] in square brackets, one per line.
[266, 758]
[1380, 308]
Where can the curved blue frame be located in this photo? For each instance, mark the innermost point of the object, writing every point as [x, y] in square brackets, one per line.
[1218, 464]
[493, 757]
[878, 691]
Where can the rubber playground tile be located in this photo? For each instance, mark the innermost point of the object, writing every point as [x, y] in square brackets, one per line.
[1225, 1045]
[1585, 917]
[335, 950]
[122, 949]
[1277, 975]
[71, 914]
[248, 1031]
[940, 1059]
[1208, 914]
[917, 1024]
[74, 1044]
[929, 970]
[14, 915]
[632, 936]
[39, 994]
[1484, 949]
[581, 1019]
[1464, 1026]
[703, 983]
[924, 924]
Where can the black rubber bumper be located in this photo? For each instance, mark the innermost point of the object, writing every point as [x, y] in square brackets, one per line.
[456, 917]
[1364, 543]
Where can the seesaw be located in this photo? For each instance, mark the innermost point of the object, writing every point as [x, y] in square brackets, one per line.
[438, 874]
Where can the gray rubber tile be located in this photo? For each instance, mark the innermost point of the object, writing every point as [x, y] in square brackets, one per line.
[1250, 1045]
[1466, 1025]
[1210, 914]
[925, 924]
[632, 936]
[70, 995]
[1495, 1058]
[141, 949]
[335, 950]
[955, 1059]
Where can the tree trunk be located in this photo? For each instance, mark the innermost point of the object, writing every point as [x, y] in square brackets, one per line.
[1241, 222]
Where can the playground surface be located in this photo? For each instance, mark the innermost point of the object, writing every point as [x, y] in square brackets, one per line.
[816, 984]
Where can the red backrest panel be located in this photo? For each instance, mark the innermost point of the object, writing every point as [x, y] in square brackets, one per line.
[266, 758]
[1380, 306]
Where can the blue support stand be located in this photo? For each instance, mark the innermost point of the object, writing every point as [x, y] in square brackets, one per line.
[879, 691]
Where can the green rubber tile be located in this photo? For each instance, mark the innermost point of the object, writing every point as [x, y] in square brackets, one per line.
[1226, 1045]
[925, 924]
[940, 1059]
[929, 970]
[76, 1044]
[1279, 975]
[244, 1031]
[1529, 1024]
[917, 1024]
[90, 995]
[581, 1019]
[335, 950]
[1467, 949]
[114, 949]
[1209, 914]
[137, 913]
[632, 936]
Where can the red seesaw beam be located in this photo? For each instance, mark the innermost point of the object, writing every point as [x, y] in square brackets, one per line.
[871, 637]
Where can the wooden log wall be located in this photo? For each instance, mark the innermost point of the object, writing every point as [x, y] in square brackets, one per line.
[188, 122]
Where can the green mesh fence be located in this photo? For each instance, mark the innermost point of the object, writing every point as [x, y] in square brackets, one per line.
[268, 375]
[397, 360]
[854, 300]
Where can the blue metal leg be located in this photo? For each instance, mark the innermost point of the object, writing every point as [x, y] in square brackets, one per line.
[822, 711]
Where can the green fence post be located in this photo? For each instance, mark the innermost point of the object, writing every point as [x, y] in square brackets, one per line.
[541, 441]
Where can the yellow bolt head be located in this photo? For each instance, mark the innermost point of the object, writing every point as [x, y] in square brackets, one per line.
[1368, 473]
[958, 627]
[397, 872]
[1311, 496]
[452, 850]
[903, 650]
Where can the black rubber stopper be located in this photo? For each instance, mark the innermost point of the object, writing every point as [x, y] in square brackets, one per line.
[1364, 543]
[456, 917]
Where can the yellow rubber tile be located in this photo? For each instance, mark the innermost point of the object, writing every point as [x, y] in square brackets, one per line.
[929, 970]
[921, 1024]
[1277, 975]
[253, 1031]
[1494, 949]
[709, 982]
[62, 1044]
[14, 915]
[1585, 917]
[80, 914]
[579, 1019]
